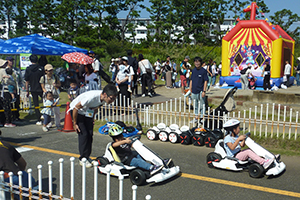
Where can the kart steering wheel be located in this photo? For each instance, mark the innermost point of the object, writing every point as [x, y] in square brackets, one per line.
[134, 138]
[248, 135]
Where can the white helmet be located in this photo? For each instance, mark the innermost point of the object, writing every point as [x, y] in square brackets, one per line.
[231, 123]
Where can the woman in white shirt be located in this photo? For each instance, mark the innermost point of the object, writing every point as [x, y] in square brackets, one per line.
[89, 74]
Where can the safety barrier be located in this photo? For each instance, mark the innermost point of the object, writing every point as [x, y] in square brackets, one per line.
[266, 120]
[38, 192]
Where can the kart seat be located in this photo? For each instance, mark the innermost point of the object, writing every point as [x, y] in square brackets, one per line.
[111, 154]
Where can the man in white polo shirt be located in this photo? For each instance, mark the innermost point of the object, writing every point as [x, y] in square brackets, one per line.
[83, 108]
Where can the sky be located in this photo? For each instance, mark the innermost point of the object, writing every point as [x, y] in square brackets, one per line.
[273, 5]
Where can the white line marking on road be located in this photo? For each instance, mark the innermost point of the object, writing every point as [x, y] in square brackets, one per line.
[24, 134]
[23, 149]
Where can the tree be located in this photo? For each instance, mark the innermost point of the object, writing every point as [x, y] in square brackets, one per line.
[159, 12]
[131, 7]
[7, 13]
[285, 19]
[236, 7]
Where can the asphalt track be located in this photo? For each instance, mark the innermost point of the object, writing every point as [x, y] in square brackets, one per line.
[196, 180]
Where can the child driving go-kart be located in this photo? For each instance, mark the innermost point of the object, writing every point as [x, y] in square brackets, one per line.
[228, 154]
[142, 165]
[233, 143]
[122, 147]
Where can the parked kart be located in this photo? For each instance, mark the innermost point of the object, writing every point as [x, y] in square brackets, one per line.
[110, 160]
[219, 159]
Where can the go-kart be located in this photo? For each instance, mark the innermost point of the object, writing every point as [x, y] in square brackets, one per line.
[110, 160]
[219, 159]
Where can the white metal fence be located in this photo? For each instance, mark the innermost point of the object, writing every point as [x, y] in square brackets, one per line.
[266, 120]
[38, 192]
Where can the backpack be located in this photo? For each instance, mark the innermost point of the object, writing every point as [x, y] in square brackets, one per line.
[243, 71]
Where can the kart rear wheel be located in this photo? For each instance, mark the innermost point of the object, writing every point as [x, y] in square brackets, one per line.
[256, 170]
[151, 134]
[173, 137]
[137, 177]
[102, 161]
[198, 140]
[212, 157]
[163, 136]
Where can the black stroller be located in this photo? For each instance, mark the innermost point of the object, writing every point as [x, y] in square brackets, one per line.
[227, 105]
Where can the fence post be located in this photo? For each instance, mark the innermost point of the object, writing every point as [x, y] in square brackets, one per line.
[278, 120]
[255, 117]
[296, 125]
[134, 188]
[2, 193]
[95, 180]
[290, 127]
[121, 178]
[40, 180]
[272, 126]
[260, 124]
[61, 177]
[83, 178]
[20, 173]
[10, 174]
[267, 113]
[72, 159]
[50, 178]
[244, 122]
[284, 118]
[108, 183]
[250, 110]
[29, 171]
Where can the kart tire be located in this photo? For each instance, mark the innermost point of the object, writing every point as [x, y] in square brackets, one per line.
[210, 141]
[163, 136]
[102, 161]
[198, 140]
[212, 156]
[256, 170]
[185, 138]
[218, 133]
[173, 137]
[151, 134]
[137, 177]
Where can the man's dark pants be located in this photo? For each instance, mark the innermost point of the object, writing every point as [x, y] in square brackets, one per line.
[85, 137]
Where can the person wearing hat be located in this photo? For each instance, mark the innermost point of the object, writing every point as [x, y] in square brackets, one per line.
[19, 85]
[33, 74]
[125, 75]
[6, 80]
[50, 82]
[266, 73]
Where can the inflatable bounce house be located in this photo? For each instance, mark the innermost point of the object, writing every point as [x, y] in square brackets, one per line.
[252, 42]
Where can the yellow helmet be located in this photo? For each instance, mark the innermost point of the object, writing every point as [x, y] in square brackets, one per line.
[115, 130]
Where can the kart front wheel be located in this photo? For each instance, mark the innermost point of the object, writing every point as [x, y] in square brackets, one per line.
[212, 157]
[163, 136]
[137, 177]
[173, 137]
[256, 170]
[151, 134]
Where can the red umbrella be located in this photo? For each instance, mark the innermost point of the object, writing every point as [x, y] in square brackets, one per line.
[77, 57]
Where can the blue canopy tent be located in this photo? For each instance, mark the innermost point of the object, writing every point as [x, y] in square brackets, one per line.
[37, 44]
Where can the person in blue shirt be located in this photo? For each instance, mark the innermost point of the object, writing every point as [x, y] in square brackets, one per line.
[198, 84]
[234, 142]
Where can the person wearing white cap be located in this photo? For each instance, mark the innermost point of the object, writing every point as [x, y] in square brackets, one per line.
[125, 74]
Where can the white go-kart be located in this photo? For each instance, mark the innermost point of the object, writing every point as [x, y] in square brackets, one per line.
[219, 159]
[110, 162]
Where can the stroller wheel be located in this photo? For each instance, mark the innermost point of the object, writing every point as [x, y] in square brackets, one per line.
[198, 140]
